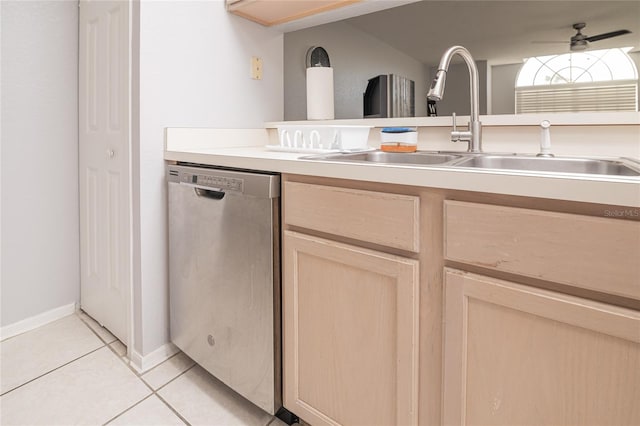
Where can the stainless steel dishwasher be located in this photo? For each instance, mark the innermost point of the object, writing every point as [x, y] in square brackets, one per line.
[224, 276]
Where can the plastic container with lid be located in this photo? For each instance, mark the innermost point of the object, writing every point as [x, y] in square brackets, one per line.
[399, 139]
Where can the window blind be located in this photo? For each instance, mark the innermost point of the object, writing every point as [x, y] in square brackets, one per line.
[577, 98]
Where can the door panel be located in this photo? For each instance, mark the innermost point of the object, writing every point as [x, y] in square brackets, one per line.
[105, 163]
[521, 355]
[596, 253]
[350, 324]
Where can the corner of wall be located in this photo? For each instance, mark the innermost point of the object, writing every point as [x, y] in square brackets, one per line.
[143, 363]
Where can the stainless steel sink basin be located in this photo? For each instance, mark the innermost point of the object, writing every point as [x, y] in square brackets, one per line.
[414, 158]
[621, 167]
[592, 166]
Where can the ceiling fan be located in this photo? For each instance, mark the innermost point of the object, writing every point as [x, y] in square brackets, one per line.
[581, 41]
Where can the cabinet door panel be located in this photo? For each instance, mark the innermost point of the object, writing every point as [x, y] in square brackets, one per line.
[521, 355]
[378, 217]
[350, 333]
[590, 252]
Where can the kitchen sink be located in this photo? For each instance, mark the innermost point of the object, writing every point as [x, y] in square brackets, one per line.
[592, 166]
[414, 158]
[618, 167]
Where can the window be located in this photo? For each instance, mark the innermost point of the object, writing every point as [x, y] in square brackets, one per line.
[597, 80]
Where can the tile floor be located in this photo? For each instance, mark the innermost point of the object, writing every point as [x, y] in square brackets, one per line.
[72, 371]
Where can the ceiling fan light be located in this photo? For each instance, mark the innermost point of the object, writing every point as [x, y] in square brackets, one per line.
[579, 45]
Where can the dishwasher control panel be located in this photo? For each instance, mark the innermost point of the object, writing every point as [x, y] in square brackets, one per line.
[217, 182]
[252, 183]
[207, 179]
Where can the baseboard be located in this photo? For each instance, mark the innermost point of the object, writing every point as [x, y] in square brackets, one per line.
[36, 321]
[144, 363]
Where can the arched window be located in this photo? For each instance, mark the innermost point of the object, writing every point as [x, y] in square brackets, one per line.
[597, 80]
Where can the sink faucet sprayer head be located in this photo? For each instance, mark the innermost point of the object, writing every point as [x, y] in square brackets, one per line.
[437, 86]
[545, 140]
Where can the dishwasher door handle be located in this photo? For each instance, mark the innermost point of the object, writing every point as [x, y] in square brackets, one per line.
[206, 192]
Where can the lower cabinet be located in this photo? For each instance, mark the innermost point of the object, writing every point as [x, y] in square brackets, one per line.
[374, 338]
[350, 324]
[515, 354]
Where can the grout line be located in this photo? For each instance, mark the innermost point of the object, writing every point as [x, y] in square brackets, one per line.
[127, 363]
[172, 409]
[128, 409]
[181, 374]
[122, 358]
[92, 330]
[51, 371]
[153, 392]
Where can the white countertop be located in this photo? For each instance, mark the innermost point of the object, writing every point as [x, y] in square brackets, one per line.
[207, 146]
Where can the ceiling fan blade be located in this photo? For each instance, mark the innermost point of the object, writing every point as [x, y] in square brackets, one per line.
[547, 42]
[607, 35]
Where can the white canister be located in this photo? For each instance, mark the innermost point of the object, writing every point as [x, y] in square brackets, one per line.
[320, 93]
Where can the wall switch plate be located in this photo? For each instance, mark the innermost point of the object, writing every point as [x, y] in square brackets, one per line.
[256, 68]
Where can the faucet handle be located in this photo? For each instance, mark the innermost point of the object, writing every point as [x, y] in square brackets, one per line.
[456, 136]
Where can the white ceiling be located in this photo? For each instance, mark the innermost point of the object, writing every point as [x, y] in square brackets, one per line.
[500, 31]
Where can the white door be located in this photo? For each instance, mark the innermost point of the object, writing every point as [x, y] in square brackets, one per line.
[104, 163]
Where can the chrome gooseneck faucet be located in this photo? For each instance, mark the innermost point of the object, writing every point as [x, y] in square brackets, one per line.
[474, 133]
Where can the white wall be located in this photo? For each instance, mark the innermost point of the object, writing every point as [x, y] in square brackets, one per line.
[40, 259]
[193, 72]
[355, 57]
[503, 92]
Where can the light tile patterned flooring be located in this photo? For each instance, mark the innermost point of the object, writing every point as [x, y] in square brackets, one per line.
[72, 371]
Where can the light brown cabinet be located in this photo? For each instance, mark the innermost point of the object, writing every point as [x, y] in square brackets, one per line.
[274, 12]
[520, 354]
[412, 305]
[350, 333]
[350, 313]
[516, 354]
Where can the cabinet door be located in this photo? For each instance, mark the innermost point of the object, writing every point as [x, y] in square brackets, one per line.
[382, 218]
[520, 355]
[596, 253]
[350, 321]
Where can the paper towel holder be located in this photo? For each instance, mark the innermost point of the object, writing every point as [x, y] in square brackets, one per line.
[317, 57]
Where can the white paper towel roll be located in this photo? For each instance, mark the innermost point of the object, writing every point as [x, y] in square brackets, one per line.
[320, 93]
